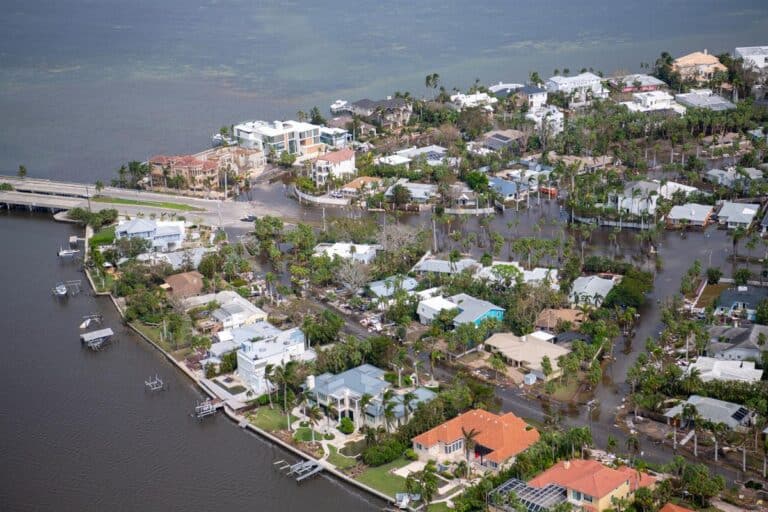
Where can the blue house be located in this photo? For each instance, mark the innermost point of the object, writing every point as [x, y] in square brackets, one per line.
[508, 190]
[472, 310]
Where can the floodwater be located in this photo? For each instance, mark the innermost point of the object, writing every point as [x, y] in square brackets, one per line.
[80, 432]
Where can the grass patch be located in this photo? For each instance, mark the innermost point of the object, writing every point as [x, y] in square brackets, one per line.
[154, 204]
[438, 507]
[270, 420]
[382, 480]
[710, 294]
[234, 390]
[304, 434]
[565, 393]
[340, 461]
[103, 236]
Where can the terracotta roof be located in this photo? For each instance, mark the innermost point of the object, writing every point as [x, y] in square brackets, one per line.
[671, 507]
[505, 435]
[336, 157]
[636, 481]
[590, 477]
[182, 161]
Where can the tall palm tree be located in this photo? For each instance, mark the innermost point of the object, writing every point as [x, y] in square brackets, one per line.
[389, 415]
[285, 375]
[633, 446]
[469, 438]
[362, 404]
[408, 399]
[314, 414]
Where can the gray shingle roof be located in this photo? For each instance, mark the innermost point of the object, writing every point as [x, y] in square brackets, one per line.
[716, 411]
[471, 308]
[359, 381]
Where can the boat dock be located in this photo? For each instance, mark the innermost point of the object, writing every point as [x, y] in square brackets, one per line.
[155, 384]
[300, 470]
[207, 408]
[95, 340]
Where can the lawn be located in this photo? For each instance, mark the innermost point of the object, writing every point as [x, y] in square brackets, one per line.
[268, 419]
[710, 294]
[438, 507]
[154, 204]
[566, 393]
[382, 480]
[104, 236]
[353, 448]
[340, 461]
[304, 434]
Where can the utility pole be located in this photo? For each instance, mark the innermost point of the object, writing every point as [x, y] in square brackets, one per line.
[434, 234]
[88, 197]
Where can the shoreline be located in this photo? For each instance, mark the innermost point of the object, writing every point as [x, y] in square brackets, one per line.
[231, 414]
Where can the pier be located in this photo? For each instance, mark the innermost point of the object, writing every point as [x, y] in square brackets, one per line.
[95, 340]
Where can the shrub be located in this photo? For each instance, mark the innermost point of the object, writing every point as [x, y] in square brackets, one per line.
[329, 437]
[346, 426]
[263, 400]
[210, 370]
[713, 275]
[383, 453]
[410, 454]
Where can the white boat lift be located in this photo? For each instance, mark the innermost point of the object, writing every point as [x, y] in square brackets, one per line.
[300, 470]
[66, 288]
[207, 408]
[67, 253]
[95, 340]
[155, 384]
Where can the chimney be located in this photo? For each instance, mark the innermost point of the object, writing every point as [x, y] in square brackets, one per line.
[706, 52]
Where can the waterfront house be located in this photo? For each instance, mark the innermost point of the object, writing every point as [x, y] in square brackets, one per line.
[533, 96]
[233, 311]
[499, 439]
[504, 89]
[389, 113]
[690, 214]
[698, 66]
[420, 192]
[737, 215]
[547, 119]
[185, 284]
[740, 302]
[461, 101]
[196, 173]
[653, 101]
[710, 368]
[262, 344]
[528, 351]
[581, 88]
[549, 319]
[163, 235]
[429, 308]
[389, 286]
[333, 137]
[637, 82]
[475, 311]
[333, 166]
[591, 485]
[734, 416]
[755, 57]
[185, 258]
[294, 137]
[361, 253]
[590, 290]
[348, 391]
[640, 197]
[704, 98]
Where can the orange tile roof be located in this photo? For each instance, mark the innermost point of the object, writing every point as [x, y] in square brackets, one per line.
[590, 477]
[336, 157]
[636, 481]
[505, 435]
[671, 507]
[362, 181]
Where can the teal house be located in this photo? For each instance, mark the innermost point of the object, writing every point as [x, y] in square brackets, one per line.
[472, 310]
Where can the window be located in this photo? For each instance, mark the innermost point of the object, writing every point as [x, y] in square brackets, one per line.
[587, 498]
[453, 447]
[577, 495]
[418, 446]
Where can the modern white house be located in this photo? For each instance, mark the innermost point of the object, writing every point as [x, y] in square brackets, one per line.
[295, 137]
[640, 197]
[534, 96]
[690, 214]
[262, 344]
[336, 165]
[164, 235]
[755, 57]
[547, 118]
[362, 253]
[474, 100]
[420, 192]
[590, 290]
[583, 87]
[433, 154]
[334, 137]
[737, 215]
[429, 308]
[653, 101]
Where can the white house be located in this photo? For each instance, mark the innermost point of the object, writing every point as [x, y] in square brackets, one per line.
[478, 99]
[547, 118]
[428, 309]
[653, 101]
[260, 346]
[640, 197]
[335, 137]
[234, 310]
[755, 57]
[165, 235]
[710, 368]
[590, 290]
[534, 96]
[362, 253]
[420, 192]
[295, 137]
[498, 271]
[737, 215]
[704, 98]
[583, 87]
[690, 214]
[332, 166]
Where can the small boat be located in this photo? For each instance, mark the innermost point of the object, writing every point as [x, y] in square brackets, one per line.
[64, 253]
[85, 323]
[60, 290]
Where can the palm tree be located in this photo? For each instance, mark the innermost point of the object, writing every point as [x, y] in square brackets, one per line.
[389, 414]
[611, 446]
[408, 399]
[99, 186]
[498, 365]
[362, 404]
[22, 171]
[468, 437]
[269, 379]
[691, 415]
[330, 412]
[285, 375]
[633, 446]
[314, 414]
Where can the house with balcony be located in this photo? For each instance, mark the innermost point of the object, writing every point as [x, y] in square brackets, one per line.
[547, 119]
[389, 113]
[581, 89]
[360, 395]
[498, 440]
[337, 138]
[740, 302]
[233, 311]
[654, 101]
[698, 66]
[294, 137]
[163, 235]
[640, 197]
[592, 486]
[333, 166]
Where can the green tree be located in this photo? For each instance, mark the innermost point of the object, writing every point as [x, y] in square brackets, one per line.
[400, 195]
[713, 275]
[469, 438]
[22, 173]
